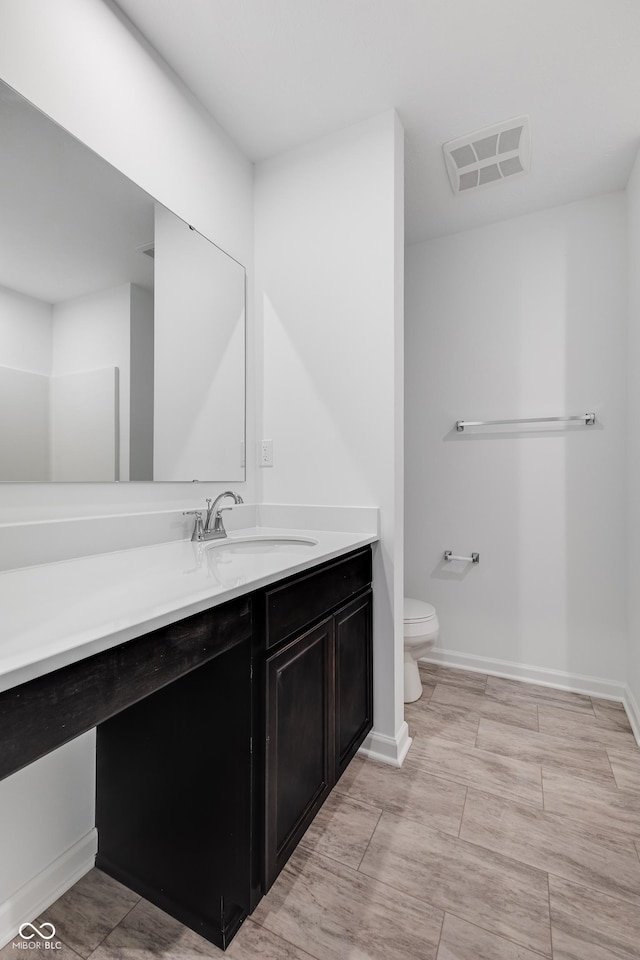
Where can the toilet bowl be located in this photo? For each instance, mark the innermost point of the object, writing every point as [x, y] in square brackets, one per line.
[421, 629]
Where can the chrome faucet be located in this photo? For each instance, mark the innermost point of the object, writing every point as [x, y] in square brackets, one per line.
[212, 527]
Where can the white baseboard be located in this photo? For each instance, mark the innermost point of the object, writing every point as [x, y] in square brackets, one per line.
[391, 750]
[44, 889]
[561, 680]
[633, 712]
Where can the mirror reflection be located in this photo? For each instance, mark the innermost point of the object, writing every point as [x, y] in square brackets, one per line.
[122, 329]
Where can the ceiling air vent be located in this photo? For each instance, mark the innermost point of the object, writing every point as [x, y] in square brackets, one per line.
[488, 155]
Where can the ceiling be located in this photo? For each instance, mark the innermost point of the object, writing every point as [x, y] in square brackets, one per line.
[278, 73]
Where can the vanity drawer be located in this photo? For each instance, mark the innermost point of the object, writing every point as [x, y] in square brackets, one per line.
[292, 605]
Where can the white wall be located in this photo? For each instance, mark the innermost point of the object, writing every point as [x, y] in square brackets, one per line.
[522, 318]
[24, 425]
[91, 333]
[25, 332]
[329, 280]
[47, 830]
[46, 430]
[141, 395]
[80, 62]
[85, 415]
[633, 441]
[25, 362]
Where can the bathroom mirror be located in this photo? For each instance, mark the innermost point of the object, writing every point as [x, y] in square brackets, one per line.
[122, 329]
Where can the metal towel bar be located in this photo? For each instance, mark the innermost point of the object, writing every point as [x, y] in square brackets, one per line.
[587, 418]
[474, 558]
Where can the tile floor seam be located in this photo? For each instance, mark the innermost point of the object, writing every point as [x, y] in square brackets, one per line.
[597, 891]
[609, 834]
[550, 917]
[595, 763]
[587, 781]
[418, 901]
[608, 842]
[279, 936]
[139, 901]
[501, 796]
[610, 767]
[311, 850]
[418, 762]
[369, 841]
[426, 901]
[475, 742]
[594, 891]
[470, 843]
[579, 913]
[466, 794]
[501, 936]
[585, 746]
[506, 856]
[250, 919]
[409, 819]
[610, 829]
[347, 796]
[74, 952]
[593, 733]
[615, 779]
[553, 705]
[460, 783]
[525, 695]
[444, 917]
[457, 743]
[477, 730]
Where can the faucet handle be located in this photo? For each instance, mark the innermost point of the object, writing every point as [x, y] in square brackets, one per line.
[198, 530]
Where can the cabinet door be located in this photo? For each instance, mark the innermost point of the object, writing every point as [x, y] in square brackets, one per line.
[354, 678]
[300, 749]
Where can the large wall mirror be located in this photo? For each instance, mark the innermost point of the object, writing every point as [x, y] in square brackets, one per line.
[122, 329]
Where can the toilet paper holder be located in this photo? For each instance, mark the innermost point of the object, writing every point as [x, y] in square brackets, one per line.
[474, 558]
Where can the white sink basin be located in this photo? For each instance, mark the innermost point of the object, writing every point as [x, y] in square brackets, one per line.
[260, 545]
[238, 559]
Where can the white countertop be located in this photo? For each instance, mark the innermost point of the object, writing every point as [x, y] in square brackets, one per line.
[54, 614]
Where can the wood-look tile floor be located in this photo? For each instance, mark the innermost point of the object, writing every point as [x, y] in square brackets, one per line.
[512, 832]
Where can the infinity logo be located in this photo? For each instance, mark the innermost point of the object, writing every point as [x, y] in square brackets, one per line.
[35, 931]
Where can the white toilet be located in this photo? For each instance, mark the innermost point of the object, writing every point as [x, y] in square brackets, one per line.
[421, 629]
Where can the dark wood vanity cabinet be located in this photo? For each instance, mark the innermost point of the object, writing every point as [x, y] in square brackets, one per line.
[299, 768]
[174, 797]
[318, 699]
[175, 790]
[353, 678]
[219, 737]
[205, 786]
